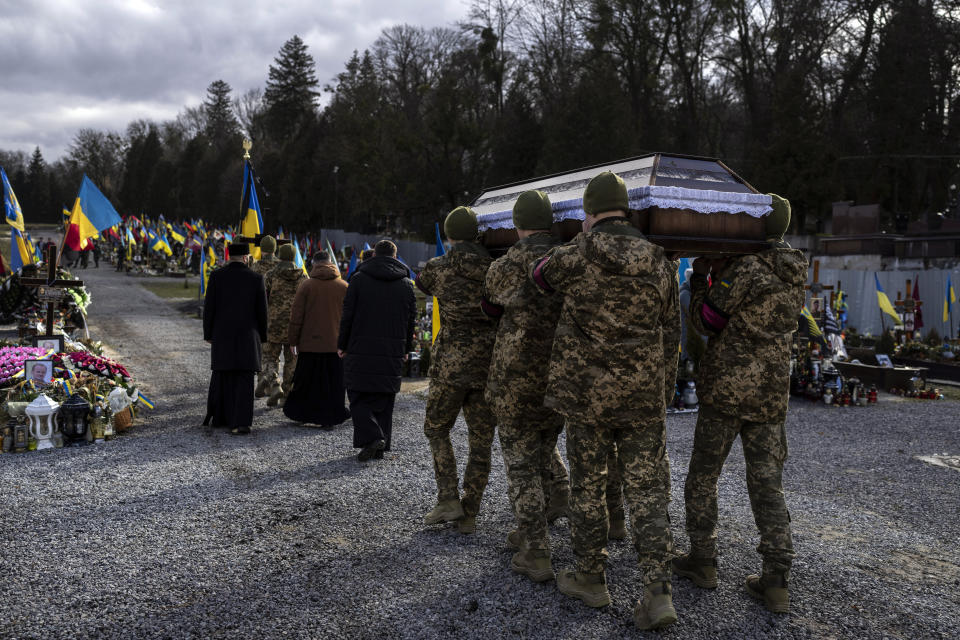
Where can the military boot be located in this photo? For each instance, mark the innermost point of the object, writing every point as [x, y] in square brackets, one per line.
[656, 609]
[275, 397]
[590, 588]
[557, 503]
[533, 564]
[618, 529]
[445, 511]
[261, 390]
[467, 525]
[701, 571]
[771, 589]
[515, 540]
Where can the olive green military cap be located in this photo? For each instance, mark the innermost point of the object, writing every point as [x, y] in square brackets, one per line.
[268, 244]
[777, 222]
[286, 253]
[461, 224]
[532, 211]
[606, 192]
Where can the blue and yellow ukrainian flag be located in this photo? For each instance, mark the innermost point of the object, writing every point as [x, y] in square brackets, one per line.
[91, 214]
[814, 328]
[297, 256]
[208, 262]
[949, 297]
[11, 206]
[435, 318]
[884, 301]
[145, 401]
[20, 252]
[252, 219]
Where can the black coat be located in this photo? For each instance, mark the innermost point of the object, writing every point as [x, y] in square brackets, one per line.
[376, 328]
[235, 318]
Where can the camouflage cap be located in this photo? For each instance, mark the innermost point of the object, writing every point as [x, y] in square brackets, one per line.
[532, 211]
[778, 221]
[606, 192]
[461, 224]
[286, 253]
[268, 244]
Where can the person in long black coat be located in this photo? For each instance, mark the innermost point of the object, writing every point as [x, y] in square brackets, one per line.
[376, 337]
[235, 323]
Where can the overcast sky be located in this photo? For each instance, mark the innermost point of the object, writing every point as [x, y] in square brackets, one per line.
[68, 64]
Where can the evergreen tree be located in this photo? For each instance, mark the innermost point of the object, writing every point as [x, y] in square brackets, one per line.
[37, 200]
[222, 127]
[291, 92]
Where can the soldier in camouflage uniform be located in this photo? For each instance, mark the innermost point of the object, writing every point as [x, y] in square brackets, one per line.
[607, 370]
[749, 313]
[268, 260]
[528, 430]
[458, 370]
[281, 283]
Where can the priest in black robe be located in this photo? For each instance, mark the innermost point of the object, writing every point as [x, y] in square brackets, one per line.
[235, 324]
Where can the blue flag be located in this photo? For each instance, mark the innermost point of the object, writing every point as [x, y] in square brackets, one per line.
[440, 248]
[11, 206]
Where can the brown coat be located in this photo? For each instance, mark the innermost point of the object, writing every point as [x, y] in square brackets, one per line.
[317, 306]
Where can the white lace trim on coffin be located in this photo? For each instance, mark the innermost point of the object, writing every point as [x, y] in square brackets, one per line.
[703, 201]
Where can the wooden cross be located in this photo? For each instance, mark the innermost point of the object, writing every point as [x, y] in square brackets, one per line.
[50, 288]
[816, 287]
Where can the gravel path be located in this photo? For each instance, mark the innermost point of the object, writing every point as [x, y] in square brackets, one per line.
[173, 531]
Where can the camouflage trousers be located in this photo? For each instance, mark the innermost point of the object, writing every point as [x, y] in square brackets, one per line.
[444, 403]
[270, 367]
[529, 455]
[645, 475]
[765, 451]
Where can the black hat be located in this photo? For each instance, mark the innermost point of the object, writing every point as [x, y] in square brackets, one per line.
[238, 249]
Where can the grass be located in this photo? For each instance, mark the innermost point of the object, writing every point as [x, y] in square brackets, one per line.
[173, 288]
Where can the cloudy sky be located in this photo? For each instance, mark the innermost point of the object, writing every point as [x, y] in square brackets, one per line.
[68, 64]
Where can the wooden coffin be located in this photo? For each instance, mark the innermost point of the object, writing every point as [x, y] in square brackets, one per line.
[679, 230]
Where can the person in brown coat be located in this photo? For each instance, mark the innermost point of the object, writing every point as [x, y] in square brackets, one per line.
[317, 396]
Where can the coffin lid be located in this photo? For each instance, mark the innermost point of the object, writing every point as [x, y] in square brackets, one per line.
[703, 185]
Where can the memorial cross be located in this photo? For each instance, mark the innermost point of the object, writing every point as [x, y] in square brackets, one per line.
[816, 287]
[51, 288]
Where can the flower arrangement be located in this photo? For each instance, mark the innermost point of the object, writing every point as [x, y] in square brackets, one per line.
[99, 365]
[12, 359]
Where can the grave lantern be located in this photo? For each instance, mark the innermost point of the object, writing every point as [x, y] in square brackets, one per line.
[42, 414]
[75, 420]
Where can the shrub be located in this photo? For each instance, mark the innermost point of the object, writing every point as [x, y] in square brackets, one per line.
[887, 343]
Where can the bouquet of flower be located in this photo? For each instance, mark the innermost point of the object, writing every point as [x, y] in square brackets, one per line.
[12, 359]
[99, 365]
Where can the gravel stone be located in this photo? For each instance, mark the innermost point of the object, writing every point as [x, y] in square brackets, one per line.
[177, 531]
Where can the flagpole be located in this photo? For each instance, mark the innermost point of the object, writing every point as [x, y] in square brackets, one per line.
[247, 145]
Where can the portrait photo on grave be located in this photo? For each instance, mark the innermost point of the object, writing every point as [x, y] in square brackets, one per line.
[50, 343]
[40, 372]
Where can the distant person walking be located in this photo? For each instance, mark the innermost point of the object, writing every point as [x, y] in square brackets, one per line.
[376, 336]
[235, 324]
[317, 393]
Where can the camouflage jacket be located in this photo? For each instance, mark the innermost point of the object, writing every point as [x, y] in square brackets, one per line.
[461, 352]
[266, 264]
[619, 320]
[527, 324]
[281, 284]
[749, 313]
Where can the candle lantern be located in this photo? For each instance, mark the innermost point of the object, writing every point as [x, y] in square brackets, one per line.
[19, 436]
[97, 427]
[42, 414]
[7, 439]
[690, 399]
[75, 420]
